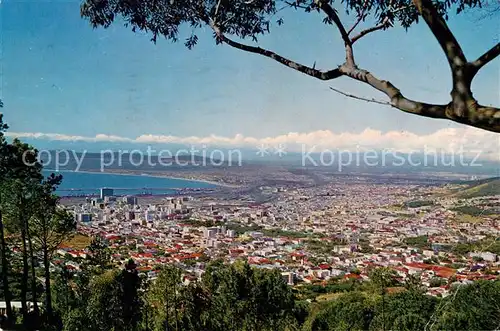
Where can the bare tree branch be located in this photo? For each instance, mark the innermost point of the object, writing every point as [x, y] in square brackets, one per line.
[332, 14]
[360, 18]
[476, 115]
[442, 33]
[217, 10]
[396, 98]
[463, 107]
[486, 57]
[323, 75]
[381, 26]
[355, 25]
[384, 24]
[361, 98]
[483, 117]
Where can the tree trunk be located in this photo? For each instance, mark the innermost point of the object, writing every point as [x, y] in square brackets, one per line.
[167, 324]
[383, 308]
[33, 278]
[48, 293]
[176, 309]
[5, 269]
[24, 278]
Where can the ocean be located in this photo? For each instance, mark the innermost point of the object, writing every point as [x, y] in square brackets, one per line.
[85, 183]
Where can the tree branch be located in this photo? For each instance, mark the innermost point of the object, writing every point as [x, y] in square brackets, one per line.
[323, 75]
[463, 105]
[443, 34]
[360, 18]
[396, 98]
[385, 23]
[216, 10]
[361, 98]
[487, 118]
[483, 117]
[332, 14]
[369, 30]
[486, 57]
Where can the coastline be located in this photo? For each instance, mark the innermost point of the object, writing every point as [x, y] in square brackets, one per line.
[96, 172]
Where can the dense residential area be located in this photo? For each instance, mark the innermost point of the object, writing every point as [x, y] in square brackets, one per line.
[311, 236]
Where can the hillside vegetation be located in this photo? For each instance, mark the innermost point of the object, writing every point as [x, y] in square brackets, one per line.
[486, 187]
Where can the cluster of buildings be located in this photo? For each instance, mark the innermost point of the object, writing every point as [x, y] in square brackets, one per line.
[313, 235]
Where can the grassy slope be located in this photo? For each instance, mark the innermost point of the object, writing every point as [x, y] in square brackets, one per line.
[480, 188]
[78, 242]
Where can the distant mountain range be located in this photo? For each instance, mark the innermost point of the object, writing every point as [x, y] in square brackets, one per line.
[204, 159]
[60, 160]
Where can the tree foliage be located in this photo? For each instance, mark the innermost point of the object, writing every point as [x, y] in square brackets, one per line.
[247, 298]
[99, 255]
[114, 302]
[351, 311]
[165, 297]
[470, 307]
[4, 250]
[238, 298]
[29, 212]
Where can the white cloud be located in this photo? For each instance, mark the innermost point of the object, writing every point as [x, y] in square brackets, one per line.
[451, 140]
[64, 137]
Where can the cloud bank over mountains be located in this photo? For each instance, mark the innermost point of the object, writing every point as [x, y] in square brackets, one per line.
[465, 140]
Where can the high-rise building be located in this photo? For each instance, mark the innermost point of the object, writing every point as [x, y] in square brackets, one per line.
[130, 200]
[130, 215]
[211, 232]
[149, 215]
[106, 192]
[84, 217]
[109, 199]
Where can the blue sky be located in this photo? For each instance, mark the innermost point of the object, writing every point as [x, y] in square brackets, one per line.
[61, 76]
